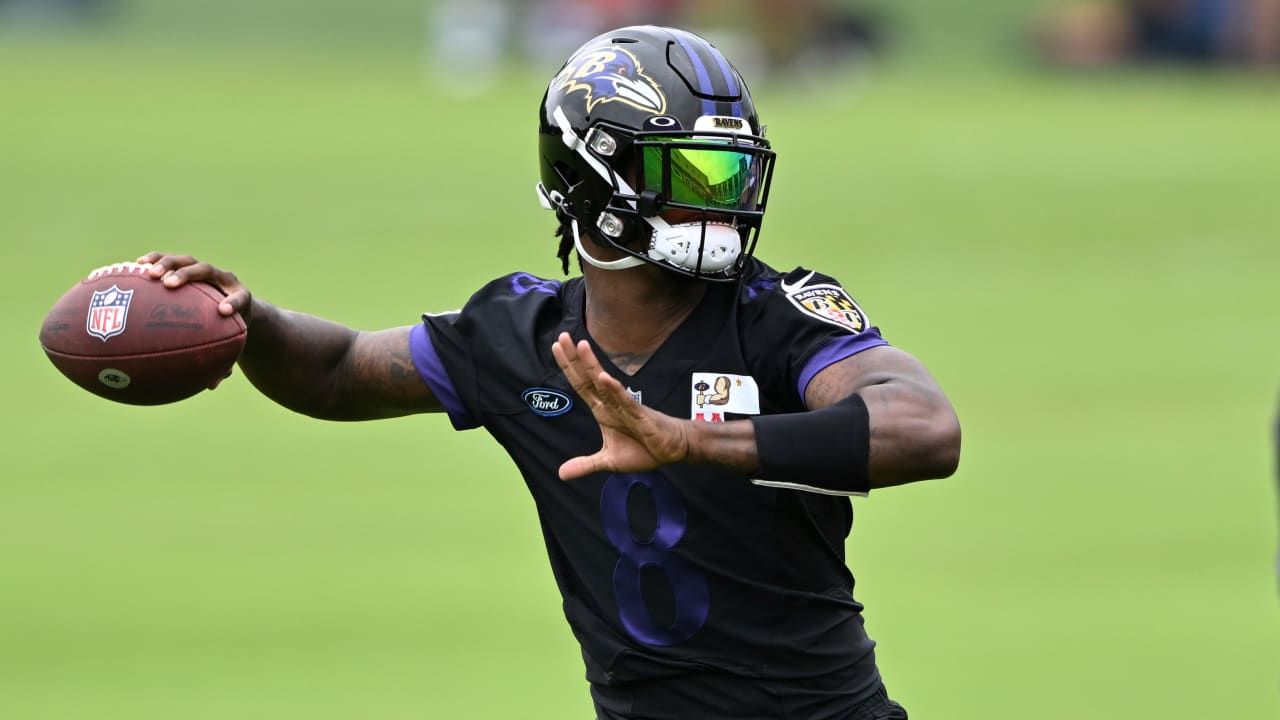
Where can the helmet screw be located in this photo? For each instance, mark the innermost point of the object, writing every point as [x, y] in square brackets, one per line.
[604, 144]
[611, 226]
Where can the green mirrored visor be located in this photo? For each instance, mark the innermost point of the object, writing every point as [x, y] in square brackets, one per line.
[714, 175]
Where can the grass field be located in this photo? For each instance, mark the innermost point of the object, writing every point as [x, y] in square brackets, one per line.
[1088, 264]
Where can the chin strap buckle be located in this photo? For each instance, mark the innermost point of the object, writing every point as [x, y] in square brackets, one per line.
[550, 200]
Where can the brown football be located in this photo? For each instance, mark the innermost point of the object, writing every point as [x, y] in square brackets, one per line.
[125, 336]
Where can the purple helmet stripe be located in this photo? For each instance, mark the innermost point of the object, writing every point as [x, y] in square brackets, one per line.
[728, 77]
[704, 79]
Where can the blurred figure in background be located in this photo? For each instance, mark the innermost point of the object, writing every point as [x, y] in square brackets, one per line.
[769, 36]
[796, 36]
[1102, 33]
[466, 42]
[470, 40]
[550, 29]
[53, 12]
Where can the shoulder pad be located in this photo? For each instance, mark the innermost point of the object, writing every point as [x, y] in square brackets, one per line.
[811, 294]
[523, 283]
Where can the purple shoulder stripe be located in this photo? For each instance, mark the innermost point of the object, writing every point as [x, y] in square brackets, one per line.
[427, 361]
[835, 351]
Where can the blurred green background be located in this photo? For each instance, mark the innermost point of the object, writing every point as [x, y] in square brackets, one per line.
[1087, 262]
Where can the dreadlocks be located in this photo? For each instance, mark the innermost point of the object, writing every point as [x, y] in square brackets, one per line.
[565, 233]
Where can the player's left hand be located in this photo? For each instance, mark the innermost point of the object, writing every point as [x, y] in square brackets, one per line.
[636, 438]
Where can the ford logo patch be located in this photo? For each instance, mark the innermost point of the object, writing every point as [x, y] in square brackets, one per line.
[547, 402]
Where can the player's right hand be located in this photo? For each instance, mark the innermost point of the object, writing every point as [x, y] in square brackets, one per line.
[177, 270]
[634, 438]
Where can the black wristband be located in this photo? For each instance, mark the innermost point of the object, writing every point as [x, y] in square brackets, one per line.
[823, 449]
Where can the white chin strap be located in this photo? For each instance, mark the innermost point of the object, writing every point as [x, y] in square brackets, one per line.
[719, 243]
[676, 244]
[629, 261]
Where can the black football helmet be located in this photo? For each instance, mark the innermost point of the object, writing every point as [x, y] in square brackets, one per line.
[644, 120]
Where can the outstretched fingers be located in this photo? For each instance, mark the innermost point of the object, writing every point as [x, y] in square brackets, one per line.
[579, 366]
[603, 393]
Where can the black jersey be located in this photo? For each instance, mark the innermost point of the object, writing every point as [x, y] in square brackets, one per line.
[687, 571]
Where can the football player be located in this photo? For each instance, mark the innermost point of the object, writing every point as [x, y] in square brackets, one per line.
[689, 421]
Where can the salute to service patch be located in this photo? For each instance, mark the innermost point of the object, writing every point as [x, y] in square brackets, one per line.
[829, 303]
[716, 394]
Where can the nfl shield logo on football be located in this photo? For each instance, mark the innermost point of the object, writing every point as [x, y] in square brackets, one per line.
[108, 311]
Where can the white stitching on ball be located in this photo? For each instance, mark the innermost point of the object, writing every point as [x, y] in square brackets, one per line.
[120, 268]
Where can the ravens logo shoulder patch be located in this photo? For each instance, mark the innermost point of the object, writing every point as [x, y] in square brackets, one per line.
[828, 303]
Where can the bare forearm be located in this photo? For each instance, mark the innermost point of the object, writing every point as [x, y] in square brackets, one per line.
[875, 419]
[910, 430]
[329, 371]
[728, 444]
[295, 359]
[914, 434]
[313, 366]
